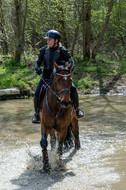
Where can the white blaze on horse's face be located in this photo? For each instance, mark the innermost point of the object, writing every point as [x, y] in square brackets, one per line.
[65, 78]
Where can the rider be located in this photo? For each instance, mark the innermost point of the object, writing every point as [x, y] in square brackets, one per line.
[53, 52]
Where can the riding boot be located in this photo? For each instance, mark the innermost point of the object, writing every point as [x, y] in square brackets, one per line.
[36, 117]
[75, 100]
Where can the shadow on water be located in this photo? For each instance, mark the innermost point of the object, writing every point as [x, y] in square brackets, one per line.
[40, 180]
[105, 117]
[110, 110]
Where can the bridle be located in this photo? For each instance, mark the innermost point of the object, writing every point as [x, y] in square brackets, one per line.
[57, 94]
[64, 90]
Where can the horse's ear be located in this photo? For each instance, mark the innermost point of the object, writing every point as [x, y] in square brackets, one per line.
[55, 66]
[70, 66]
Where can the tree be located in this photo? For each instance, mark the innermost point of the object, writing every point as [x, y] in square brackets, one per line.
[95, 49]
[3, 41]
[20, 13]
[85, 26]
[86, 20]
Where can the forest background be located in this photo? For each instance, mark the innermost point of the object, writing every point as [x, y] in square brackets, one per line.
[94, 31]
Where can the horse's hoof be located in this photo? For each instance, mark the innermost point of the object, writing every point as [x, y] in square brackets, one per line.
[77, 147]
[46, 167]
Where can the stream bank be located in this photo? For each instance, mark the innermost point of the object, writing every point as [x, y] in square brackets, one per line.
[118, 89]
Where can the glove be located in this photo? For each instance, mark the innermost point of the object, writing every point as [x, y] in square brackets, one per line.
[38, 71]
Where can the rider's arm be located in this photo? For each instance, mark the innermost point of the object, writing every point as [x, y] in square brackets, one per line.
[39, 61]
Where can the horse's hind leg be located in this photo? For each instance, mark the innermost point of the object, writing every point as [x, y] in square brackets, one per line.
[52, 139]
[62, 136]
[76, 133]
[68, 142]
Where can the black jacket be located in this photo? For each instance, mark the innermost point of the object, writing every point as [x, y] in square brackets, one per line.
[48, 56]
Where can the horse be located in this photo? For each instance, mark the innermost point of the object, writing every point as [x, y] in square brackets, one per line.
[58, 112]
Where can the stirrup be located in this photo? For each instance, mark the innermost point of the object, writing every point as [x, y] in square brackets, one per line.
[36, 118]
[79, 113]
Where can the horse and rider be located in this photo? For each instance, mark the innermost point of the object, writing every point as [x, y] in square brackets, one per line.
[59, 103]
[53, 52]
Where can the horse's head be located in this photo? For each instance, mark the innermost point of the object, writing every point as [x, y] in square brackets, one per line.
[62, 83]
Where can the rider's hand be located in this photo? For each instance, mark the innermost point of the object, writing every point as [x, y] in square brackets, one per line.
[38, 71]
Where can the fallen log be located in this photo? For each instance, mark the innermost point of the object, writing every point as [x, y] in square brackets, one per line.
[9, 91]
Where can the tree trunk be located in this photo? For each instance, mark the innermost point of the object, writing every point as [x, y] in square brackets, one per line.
[87, 30]
[95, 49]
[62, 23]
[19, 28]
[3, 40]
[83, 26]
[74, 40]
[86, 17]
[76, 31]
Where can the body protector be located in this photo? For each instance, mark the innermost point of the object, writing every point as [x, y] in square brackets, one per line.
[48, 56]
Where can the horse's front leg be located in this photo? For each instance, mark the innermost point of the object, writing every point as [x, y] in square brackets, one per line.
[44, 143]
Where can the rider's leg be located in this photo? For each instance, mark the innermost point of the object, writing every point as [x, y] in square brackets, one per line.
[36, 117]
[75, 100]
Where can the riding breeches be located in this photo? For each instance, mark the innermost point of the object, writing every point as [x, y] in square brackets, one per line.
[40, 84]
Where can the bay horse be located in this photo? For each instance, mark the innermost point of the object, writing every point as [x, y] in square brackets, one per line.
[58, 112]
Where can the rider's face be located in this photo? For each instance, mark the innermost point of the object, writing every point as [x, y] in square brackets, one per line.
[51, 42]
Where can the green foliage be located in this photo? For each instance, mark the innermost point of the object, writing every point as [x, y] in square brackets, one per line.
[90, 74]
[13, 74]
[86, 75]
[66, 16]
[86, 84]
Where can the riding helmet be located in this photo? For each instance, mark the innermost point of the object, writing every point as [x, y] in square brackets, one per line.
[53, 34]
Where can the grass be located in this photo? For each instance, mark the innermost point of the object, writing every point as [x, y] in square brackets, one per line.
[14, 74]
[92, 73]
[86, 75]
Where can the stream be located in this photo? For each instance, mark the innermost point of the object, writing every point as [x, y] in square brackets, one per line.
[100, 164]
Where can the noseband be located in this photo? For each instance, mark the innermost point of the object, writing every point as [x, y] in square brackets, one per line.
[64, 91]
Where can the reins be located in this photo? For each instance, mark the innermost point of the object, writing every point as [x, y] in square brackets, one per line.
[65, 90]
[51, 90]
[49, 109]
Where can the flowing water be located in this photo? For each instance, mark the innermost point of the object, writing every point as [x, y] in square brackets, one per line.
[100, 164]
